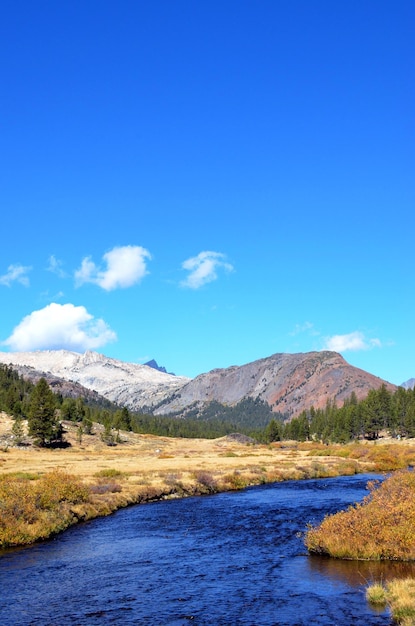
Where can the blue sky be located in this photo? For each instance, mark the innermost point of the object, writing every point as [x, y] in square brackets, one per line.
[209, 183]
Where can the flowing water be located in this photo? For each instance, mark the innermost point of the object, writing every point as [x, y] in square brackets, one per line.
[229, 559]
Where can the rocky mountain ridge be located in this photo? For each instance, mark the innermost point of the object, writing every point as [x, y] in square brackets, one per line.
[63, 387]
[130, 384]
[153, 363]
[289, 383]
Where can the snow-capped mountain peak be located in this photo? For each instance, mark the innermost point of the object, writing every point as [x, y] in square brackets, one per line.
[130, 384]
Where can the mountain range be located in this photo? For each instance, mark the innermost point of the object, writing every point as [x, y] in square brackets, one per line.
[127, 384]
[288, 383]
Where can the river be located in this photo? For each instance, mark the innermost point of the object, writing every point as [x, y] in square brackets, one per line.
[230, 559]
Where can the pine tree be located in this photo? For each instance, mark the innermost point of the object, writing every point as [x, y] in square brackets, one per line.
[273, 431]
[43, 423]
[18, 430]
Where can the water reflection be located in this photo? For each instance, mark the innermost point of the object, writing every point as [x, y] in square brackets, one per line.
[358, 573]
[235, 559]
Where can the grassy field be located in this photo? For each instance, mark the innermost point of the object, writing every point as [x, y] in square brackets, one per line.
[38, 499]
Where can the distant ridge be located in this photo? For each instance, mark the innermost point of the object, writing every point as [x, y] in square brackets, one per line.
[409, 384]
[153, 363]
[288, 383]
[128, 384]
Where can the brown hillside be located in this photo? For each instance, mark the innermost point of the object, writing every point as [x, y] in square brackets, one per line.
[289, 383]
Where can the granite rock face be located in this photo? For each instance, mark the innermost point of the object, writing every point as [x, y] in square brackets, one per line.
[289, 383]
[128, 384]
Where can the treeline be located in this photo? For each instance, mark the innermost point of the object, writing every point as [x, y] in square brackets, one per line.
[248, 413]
[381, 411]
[16, 395]
[14, 391]
[249, 417]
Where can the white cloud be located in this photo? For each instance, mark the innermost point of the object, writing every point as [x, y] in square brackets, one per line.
[15, 273]
[203, 268]
[354, 341]
[55, 266]
[125, 266]
[60, 326]
[303, 328]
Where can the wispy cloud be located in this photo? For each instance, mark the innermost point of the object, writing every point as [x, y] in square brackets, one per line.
[16, 273]
[203, 268]
[306, 327]
[55, 266]
[60, 326]
[125, 266]
[354, 341]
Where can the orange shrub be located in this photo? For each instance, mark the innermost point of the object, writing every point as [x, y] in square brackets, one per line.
[381, 527]
[36, 509]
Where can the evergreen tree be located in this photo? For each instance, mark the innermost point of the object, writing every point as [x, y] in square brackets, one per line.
[18, 430]
[376, 411]
[273, 431]
[122, 420]
[43, 423]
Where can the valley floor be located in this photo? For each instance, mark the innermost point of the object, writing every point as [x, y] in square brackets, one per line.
[144, 467]
[152, 459]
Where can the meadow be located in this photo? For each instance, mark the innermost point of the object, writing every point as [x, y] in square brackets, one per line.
[45, 490]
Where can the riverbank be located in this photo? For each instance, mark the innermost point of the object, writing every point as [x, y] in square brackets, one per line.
[144, 468]
[381, 527]
[399, 595]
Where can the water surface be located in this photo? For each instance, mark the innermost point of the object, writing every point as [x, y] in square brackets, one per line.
[229, 559]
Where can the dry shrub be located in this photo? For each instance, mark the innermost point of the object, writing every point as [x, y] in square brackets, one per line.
[385, 457]
[258, 470]
[320, 470]
[150, 493]
[173, 478]
[359, 451]
[56, 487]
[347, 468]
[235, 481]
[109, 473]
[174, 484]
[105, 487]
[36, 509]
[274, 475]
[381, 527]
[324, 450]
[206, 481]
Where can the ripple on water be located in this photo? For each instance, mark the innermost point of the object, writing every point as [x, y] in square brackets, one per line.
[230, 559]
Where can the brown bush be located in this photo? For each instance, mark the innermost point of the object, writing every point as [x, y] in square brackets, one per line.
[36, 509]
[207, 481]
[381, 527]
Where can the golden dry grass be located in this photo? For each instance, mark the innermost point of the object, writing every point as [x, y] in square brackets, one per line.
[399, 594]
[150, 458]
